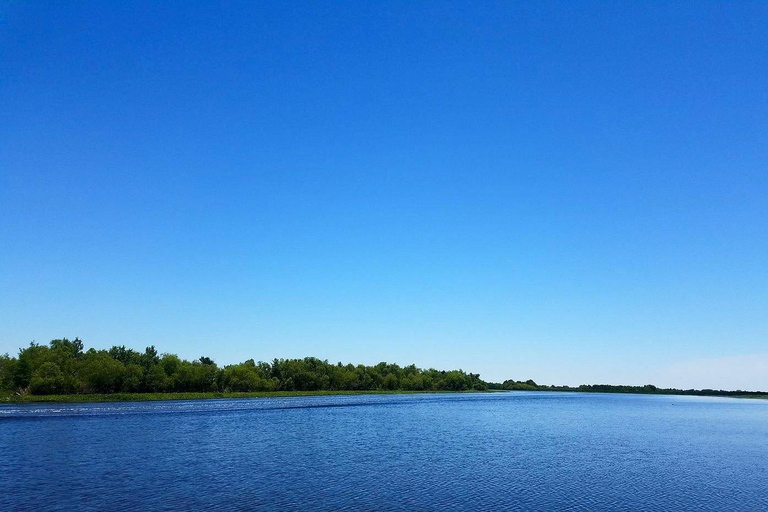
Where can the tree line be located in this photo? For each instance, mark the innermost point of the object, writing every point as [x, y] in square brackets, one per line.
[648, 389]
[65, 367]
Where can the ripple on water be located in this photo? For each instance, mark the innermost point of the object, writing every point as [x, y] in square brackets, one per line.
[505, 451]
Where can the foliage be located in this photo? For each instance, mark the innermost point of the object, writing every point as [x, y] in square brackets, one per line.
[63, 368]
[648, 389]
[8, 366]
[47, 379]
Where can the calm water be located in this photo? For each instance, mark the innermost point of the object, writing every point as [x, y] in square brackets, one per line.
[501, 451]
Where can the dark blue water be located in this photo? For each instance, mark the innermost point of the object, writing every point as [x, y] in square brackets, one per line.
[499, 451]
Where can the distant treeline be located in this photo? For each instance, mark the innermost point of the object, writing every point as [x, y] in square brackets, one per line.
[64, 367]
[648, 389]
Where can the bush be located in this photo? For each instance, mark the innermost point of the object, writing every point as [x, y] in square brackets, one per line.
[47, 380]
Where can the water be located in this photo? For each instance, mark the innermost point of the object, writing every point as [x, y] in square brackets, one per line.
[497, 451]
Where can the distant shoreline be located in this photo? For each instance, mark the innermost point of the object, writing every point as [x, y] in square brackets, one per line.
[153, 397]
[714, 394]
[628, 390]
[64, 372]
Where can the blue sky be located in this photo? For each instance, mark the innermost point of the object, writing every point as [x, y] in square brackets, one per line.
[565, 191]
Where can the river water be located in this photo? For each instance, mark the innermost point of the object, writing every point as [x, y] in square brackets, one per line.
[483, 451]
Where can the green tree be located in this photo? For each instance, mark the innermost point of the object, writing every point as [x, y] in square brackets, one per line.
[7, 371]
[155, 379]
[47, 380]
[390, 382]
[132, 378]
[102, 373]
[125, 355]
[30, 359]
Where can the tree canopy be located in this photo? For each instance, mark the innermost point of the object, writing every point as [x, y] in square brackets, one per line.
[64, 367]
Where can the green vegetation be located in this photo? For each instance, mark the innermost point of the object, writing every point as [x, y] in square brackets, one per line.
[63, 371]
[648, 389]
[7, 396]
[65, 368]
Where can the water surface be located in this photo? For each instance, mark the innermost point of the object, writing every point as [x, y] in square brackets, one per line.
[494, 451]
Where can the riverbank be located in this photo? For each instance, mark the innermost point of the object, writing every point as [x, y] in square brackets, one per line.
[148, 397]
[715, 394]
[511, 385]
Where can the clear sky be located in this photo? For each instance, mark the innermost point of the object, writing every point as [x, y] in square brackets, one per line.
[574, 192]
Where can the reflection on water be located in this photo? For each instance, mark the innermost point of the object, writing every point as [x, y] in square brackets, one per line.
[496, 451]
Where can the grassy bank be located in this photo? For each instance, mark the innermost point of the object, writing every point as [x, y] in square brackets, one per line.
[713, 394]
[759, 396]
[648, 389]
[6, 397]
[146, 397]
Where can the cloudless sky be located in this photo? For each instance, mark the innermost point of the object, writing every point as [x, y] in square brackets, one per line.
[574, 192]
